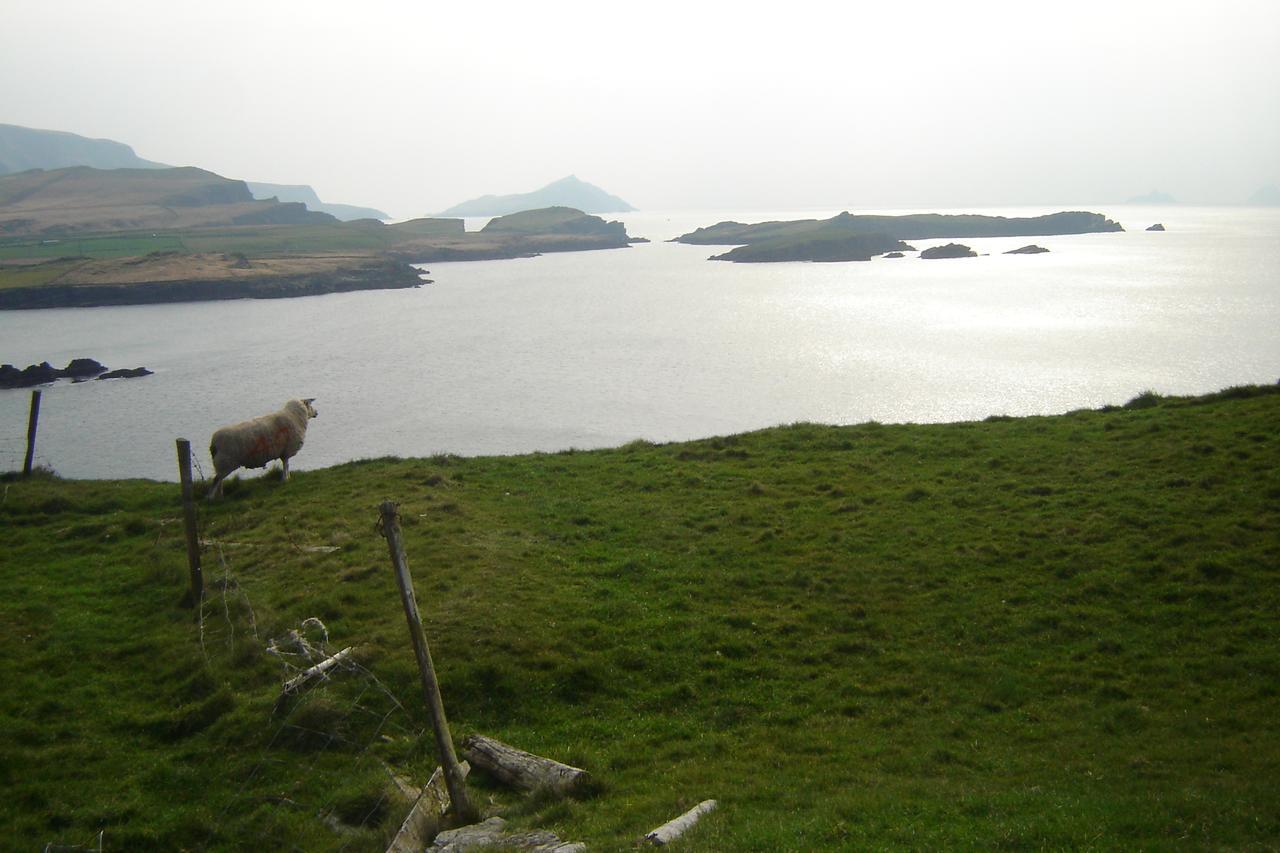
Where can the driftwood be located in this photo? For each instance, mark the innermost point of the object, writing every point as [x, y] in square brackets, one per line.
[671, 830]
[423, 821]
[492, 834]
[521, 769]
[307, 675]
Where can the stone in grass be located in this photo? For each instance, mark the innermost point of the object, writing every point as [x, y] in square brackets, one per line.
[492, 834]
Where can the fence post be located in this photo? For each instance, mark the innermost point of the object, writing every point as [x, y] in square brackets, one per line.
[454, 777]
[189, 522]
[32, 422]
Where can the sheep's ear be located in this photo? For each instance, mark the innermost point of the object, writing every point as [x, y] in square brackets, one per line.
[309, 400]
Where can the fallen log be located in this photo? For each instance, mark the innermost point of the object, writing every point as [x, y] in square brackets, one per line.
[521, 769]
[307, 675]
[673, 829]
[423, 822]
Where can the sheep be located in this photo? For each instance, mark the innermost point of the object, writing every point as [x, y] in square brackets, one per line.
[254, 443]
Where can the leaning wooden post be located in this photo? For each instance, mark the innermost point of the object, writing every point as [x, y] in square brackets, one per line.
[454, 776]
[189, 522]
[32, 422]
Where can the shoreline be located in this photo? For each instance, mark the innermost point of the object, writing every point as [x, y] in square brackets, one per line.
[386, 275]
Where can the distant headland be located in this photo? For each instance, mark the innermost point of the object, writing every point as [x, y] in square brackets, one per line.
[81, 236]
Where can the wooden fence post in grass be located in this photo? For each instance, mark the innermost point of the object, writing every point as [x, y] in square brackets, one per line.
[189, 522]
[32, 421]
[454, 776]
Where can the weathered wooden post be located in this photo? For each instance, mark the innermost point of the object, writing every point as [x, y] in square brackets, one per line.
[454, 776]
[32, 421]
[189, 522]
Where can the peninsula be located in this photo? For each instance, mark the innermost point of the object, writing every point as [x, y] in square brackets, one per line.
[81, 236]
[859, 237]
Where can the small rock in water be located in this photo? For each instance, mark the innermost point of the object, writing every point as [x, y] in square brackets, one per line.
[1157, 227]
[1027, 250]
[126, 373]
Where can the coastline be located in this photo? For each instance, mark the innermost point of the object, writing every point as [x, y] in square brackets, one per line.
[382, 275]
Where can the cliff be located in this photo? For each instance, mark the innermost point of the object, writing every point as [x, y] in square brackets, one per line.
[24, 148]
[81, 199]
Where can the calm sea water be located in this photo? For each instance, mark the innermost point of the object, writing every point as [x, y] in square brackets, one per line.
[598, 348]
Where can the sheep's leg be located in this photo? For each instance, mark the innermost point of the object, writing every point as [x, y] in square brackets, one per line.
[215, 489]
[284, 460]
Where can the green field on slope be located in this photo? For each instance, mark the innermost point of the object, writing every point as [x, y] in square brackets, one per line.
[1051, 632]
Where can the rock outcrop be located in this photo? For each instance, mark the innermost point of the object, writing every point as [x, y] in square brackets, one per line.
[951, 250]
[77, 370]
[1027, 250]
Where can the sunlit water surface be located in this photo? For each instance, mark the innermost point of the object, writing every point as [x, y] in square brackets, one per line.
[598, 348]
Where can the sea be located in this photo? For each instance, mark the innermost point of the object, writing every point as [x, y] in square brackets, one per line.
[596, 349]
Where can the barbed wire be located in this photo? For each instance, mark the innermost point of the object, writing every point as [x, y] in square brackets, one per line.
[370, 714]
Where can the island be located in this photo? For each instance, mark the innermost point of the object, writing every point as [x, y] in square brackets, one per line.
[829, 239]
[80, 237]
[570, 191]
[950, 250]
[827, 247]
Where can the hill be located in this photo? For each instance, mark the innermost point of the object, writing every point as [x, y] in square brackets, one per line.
[23, 148]
[304, 194]
[1035, 633]
[566, 192]
[81, 199]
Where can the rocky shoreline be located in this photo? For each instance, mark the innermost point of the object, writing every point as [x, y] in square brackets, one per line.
[379, 276]
[77, 370]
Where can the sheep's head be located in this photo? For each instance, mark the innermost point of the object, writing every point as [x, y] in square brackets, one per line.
[311, 410]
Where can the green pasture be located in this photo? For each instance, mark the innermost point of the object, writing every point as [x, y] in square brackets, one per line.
[1034, 633]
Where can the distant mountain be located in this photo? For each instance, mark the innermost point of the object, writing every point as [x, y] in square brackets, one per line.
[23, 148]
[566, 192]
[1153, 197]
[81, 199]
[304, 194]
[1268, 195]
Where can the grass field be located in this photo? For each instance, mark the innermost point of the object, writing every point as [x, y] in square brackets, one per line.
[1028, 633]
[110, 246]
[253, 241]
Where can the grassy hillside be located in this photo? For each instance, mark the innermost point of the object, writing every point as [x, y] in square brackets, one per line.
[1022, 633]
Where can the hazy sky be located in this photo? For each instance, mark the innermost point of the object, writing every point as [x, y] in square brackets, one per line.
[412, 107]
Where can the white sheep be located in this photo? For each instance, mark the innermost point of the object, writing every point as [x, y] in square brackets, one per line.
[253, 444]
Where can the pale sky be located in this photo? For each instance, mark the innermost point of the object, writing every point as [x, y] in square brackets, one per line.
[414, 106]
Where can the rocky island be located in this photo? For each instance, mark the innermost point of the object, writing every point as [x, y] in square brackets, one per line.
[820, 239]
[950, 250]
[821, 246]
